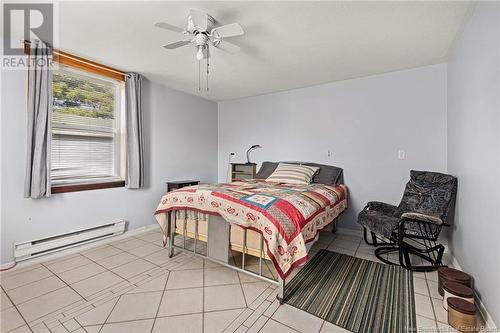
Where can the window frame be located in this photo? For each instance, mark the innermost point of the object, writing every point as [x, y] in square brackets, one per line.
[117, 131]
[93, 68]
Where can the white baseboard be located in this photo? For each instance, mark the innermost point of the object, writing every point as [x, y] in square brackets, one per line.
[485, 315]
[488, 320]
[7, 265]
[80, 248]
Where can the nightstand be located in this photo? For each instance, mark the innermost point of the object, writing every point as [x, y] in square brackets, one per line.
[242, 171]
[174, 185]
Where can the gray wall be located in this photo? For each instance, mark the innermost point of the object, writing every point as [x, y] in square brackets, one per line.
[474, 150]
[363, 122]
[181, 142]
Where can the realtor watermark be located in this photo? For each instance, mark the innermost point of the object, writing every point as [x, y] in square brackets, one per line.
[32, 22]
[447, 328]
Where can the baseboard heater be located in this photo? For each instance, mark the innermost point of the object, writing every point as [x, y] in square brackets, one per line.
[38, 247]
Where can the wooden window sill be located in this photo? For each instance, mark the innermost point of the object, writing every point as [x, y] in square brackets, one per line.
[86, 187]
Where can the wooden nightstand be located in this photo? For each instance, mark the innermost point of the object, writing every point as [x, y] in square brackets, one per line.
[174, 185]
[242, 171]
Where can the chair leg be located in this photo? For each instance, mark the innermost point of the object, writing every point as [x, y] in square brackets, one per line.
[404, 257]
[406, 249]
[380, 251]
[424, 254]
[423, 268]
[406, 264]
[374, 237]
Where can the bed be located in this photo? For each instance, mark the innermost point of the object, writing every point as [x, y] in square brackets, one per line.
[266, 219]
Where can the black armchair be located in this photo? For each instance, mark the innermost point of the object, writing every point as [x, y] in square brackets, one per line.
[414, 226]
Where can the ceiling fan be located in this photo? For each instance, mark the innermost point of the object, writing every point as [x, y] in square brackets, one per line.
[202, 32]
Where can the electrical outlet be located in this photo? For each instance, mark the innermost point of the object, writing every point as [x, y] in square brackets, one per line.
[329, 153]
[401, 154]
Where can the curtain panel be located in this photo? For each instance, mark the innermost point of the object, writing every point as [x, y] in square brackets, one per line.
[39, 115]
[134, 172]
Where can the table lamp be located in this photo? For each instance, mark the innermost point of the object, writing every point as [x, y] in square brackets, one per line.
[249, 150]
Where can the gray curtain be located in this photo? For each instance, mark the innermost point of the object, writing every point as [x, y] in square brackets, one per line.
[37, 180]
[134, 175]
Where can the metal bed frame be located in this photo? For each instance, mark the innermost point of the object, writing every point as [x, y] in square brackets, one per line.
[171, 246]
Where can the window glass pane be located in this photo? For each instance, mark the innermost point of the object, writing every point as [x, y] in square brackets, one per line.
[84, 96]
[85, 126]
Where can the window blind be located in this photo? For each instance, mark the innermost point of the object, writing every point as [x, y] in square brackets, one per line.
[82, 148]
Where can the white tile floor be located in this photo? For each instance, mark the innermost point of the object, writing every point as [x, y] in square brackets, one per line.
[131, 285]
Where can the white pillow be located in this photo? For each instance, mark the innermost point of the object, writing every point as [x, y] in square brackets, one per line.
[293, 174]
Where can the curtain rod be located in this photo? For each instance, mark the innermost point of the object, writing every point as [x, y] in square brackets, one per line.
[82, 60]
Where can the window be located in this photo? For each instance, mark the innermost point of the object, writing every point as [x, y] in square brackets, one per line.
[87, 129]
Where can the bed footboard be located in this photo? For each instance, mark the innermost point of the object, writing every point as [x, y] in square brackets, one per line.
[171, 246]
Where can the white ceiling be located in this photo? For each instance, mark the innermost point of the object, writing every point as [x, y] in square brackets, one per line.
[286, 45]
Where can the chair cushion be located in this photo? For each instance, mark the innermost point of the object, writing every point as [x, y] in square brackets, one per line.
[293, 174]
[382, 220]
[379, 222]
[429, 193]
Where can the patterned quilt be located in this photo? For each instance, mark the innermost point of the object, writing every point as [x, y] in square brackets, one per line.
[288, 216]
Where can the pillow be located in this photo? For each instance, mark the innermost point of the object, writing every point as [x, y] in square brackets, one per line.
[293, 174]
[327, 174]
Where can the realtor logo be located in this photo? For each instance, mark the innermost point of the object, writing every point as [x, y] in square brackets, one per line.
[36, 21]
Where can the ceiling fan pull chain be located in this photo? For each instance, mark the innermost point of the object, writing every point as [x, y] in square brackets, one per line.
[207, 73]
[199, 76]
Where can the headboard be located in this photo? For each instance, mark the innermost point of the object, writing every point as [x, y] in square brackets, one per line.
[328, 174]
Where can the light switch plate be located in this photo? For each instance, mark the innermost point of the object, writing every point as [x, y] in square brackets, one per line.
[401, 154]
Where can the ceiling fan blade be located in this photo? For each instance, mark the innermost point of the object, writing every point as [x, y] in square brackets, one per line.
[228, 47]
[177, 44]
[228, 30]
[167, 26]
[200, 19]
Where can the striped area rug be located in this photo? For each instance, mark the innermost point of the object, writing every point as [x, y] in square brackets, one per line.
[359, 295]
